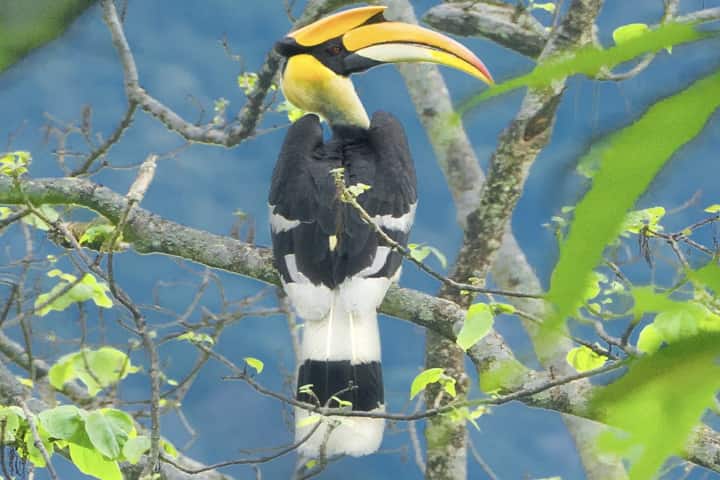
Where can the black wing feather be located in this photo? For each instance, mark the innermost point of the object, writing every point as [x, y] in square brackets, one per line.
[303, 189]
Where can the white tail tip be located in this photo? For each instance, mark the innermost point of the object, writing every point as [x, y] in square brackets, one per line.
[355, 436]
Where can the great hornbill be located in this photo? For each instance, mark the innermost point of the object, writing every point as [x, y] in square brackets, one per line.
[334, 268]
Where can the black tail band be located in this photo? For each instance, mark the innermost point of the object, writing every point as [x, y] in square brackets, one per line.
[361, 384]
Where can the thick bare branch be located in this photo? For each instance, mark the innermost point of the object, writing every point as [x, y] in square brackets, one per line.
[506, 24]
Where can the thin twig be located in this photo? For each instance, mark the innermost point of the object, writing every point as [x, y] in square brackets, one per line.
[497, 400]
[351, 199]
[481, 461]
[245, 461]
[30, 417]
[102, 150]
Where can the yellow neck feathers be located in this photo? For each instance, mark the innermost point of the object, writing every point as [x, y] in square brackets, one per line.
[310, 85]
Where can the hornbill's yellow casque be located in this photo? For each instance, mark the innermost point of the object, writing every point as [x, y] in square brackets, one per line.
[334, 268]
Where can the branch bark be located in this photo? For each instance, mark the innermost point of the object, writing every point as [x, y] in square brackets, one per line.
[505, 24]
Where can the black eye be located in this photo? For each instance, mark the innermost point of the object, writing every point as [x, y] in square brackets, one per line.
[334, 50]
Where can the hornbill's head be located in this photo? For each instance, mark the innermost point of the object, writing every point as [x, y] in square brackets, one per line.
[322, 55]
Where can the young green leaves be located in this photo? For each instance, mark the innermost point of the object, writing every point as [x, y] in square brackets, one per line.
[97, 440]
[658, 403]
[590, 60]
[478, 323]
[71, 290]
[97, 369]
[429, 376]
[618, 184]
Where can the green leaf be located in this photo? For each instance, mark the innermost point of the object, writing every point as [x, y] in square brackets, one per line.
[258, 365]
[500, 308]
[91, 462]
[659, 401]
[5, 212]
[584, 359]
[440, 256]
[108, 431]
[25, 381]
[420, 251]
[506, 373]
[548, 6]
[107, 366]
[33, 452]
[30, 24]
[134, 448]
[627, 32]
[87, 289]
[307, 389]
[122, 422]
[307, 421]
[168, 448]
[478, 323]
[674, 319]
[464, 414]
[247, 82]
[62, 372]
[709, 275]
[714, 208]
[357, 189]
[61, 422]
[97, 291]
[650, 339]
[13, 418]
[97, 234]
[425, 378]
[448, 384]
[677, 324]
[618, 184]
[589, 60]
[340, 402]
[293, 113]
[47, 212]
[637, 220]
[14, 164]
[593, 288]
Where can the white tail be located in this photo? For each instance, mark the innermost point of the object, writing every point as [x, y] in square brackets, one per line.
[341, 358]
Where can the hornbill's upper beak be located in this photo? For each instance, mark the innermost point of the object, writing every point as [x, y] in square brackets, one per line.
[356, 40]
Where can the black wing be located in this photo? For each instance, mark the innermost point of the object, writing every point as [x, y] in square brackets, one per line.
[328, 240]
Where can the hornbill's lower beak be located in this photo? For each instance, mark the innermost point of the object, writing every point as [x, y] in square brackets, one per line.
[392, 42]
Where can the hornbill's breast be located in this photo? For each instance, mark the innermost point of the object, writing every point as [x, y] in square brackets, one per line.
[320, 240]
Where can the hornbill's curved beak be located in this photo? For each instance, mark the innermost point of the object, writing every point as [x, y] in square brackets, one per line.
[356, 40]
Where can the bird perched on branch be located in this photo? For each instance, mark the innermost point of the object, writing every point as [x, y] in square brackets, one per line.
[335, 268]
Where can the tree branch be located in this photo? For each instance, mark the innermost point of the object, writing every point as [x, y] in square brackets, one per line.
[248, 117]
[508, 25]
[511, 26]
